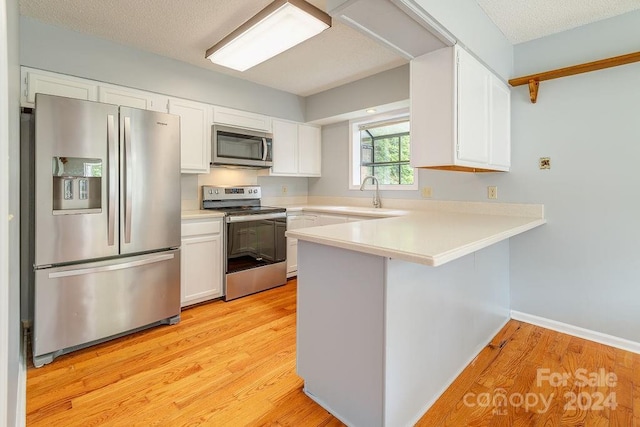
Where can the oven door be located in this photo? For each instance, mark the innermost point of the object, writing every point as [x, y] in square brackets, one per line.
[256, 250]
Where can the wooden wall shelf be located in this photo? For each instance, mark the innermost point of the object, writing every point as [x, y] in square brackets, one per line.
[533, 80]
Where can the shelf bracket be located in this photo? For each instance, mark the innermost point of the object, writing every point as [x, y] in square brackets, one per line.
[533, 90]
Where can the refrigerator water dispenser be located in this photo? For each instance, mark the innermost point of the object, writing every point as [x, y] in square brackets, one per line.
[77, 185]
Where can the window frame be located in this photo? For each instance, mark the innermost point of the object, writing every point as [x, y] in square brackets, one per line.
[355, 177]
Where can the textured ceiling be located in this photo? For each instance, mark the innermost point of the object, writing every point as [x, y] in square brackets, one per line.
[524, 20]
[185, 29]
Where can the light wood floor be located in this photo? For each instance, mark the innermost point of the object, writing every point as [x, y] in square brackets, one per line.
[233, 364]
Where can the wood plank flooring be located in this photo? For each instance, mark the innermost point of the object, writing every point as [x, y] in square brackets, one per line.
[233, 364]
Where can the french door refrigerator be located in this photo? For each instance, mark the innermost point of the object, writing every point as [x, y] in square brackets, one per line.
[107, 223]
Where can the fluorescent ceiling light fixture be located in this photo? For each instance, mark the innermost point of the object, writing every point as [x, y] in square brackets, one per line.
[276, 28]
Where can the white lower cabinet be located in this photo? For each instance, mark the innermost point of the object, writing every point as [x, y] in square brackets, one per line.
[294, 222]
[299, 220]
[201, 274]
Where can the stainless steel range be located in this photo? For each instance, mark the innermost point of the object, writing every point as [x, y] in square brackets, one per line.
[255, 244]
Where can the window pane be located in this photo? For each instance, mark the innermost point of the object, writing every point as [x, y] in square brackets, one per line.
[406, 174]
[402, 127]
[405, 148]
[386, 150]
[366, 154]
[387, 174]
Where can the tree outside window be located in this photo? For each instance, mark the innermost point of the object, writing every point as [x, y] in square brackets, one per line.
[385, 152]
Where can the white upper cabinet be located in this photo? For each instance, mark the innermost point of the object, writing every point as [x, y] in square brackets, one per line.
[296, 149]
[309, 150]
[195, 134]
[38, 81]
[285, 148]
[243, 119]
[132, 98]
[460, 113]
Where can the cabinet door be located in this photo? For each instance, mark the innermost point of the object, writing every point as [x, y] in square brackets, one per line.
[285, 148]
[201, 268]
[310, 220]
[132, 98]
[500, 125]
[309, 150]
[331, 219]
[473, 110]
[244, 119]
[55, 84]
[292, 257]
[195, 132]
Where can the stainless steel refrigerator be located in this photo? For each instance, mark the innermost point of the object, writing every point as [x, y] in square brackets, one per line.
[106, 218]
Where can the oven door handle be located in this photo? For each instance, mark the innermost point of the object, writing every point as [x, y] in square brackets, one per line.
[257, 217]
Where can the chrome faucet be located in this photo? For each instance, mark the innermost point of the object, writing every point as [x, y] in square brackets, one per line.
[376, 197]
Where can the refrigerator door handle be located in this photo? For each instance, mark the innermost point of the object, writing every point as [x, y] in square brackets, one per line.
[112, 183]
[128, 177]
[123, 266]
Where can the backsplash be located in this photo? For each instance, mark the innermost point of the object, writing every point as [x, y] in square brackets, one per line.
[272, 187]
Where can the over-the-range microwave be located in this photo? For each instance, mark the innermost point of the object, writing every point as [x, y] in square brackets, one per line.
[239, 147]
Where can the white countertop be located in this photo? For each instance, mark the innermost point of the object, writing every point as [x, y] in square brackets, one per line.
[348, 210]
[429, 237]
[202, 214]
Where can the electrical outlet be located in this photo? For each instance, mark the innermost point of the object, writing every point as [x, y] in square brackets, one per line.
[492, 192]
[545, 163]
[426, 192]
[285, 189]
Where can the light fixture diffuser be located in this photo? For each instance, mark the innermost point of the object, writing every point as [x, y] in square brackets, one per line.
[276, 28]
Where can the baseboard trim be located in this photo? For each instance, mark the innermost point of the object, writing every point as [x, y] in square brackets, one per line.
[577, 331]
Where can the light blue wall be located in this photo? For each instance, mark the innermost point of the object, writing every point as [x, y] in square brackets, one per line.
[382, 88]
[581, 267]
[603, 39]
[64, 51]
[468, 23]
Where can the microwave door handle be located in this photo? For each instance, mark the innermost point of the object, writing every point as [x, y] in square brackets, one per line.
[112, 183]
[264, 149]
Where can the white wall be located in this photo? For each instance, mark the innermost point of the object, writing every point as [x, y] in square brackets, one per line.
[12, 368]
[64, 51]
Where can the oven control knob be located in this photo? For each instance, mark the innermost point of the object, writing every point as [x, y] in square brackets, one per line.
[250, 191]
[210, 191]
[217, 191]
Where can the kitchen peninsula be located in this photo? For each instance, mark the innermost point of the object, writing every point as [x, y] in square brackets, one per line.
[391, 310]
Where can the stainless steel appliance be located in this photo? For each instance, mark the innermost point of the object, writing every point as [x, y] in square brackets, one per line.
[106, 222]
[255, 242]
[241, 147]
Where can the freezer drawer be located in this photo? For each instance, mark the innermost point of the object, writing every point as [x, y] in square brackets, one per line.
[84, 303]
